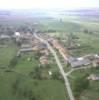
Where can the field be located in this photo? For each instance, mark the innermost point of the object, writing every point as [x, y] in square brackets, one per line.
[7, 53]
[28, 88]
[24, 66]
[60, 26]
[88, 44]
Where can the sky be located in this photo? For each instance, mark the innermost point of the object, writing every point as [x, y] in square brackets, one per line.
[48, 4]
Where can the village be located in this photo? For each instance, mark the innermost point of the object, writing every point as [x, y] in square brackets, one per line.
[30, 43]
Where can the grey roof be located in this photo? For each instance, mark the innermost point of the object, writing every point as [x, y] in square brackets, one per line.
[97, 78]
[72, 59]
[5, 36]
[76, 63]
[80, 62]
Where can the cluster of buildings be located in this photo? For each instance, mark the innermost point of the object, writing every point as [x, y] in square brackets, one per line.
[92, 59]
[30, 43]
[75, 62]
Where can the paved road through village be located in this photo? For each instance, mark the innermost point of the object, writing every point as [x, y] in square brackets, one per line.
[67, 84]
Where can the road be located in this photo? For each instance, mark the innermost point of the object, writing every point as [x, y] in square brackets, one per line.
[74, 69]
[67, 84]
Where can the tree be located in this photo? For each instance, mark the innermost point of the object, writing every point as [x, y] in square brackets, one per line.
[36, 73]
[80, 84]
[13, 62]
[56, 75]
[15, 85]
[37, 55]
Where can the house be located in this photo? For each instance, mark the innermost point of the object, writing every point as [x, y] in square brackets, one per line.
[26, 50]
[93, 77]
[77, 62]
[39, 46]
[71, 59]
[95, 62]
[45, 51]
[4, 36]
[96, 56]
[44, 60]
[26, 46]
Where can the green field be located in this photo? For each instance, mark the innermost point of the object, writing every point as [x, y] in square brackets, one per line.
[89, 44]
[58, 26]
[27, 88]
[24, 66]
[7, 53]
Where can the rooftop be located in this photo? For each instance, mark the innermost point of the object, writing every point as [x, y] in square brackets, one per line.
[76, 62]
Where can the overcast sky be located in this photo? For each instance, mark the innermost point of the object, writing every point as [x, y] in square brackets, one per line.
[48, 4]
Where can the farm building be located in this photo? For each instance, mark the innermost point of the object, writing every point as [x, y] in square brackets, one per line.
[93, 77]
[77, 62]
[4, 36]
